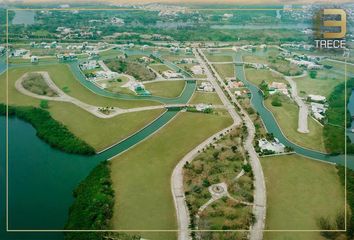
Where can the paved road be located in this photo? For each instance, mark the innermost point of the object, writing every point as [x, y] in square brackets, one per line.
[303, 108]
[63, 97]
[259, 208]
[177, 189]
[177, 176]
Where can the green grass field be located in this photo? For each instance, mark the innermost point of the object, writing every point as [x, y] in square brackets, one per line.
[257, 76]
[99, 133]
[225, 70]
[200, 97]
[287, 118]
[141, 176]
[323, 84]
[218, 58]
[299, 191]
[169, 89]
[160, 68]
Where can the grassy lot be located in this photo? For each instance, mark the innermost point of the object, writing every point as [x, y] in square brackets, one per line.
[201, 97]
[168, 89]
[299, 191]
[218, 58]
[257, 76]
[110, 53]
[187, 67]
[115, 85]
[135, 69]
[323, 84]
[285, 67]
[287, 118]
[99, 133]
[225, 70]
[141, 176]
[339, 66]
[63, 78]
[173, 57]
[159, 67]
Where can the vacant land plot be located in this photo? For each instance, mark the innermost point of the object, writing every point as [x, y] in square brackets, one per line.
[111, 53]
[225, 70]
[257, 76]
[175, 57]
[115, 85]
[208, 98]
[287, 118]
[299, 191]
[169, 89]
[323, 84]
[218, 58]
[35, 83]
[160, 68]
[141, 176]
[101, 133]
[137, 70]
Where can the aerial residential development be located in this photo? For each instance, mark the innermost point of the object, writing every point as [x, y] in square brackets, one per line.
[174, 121]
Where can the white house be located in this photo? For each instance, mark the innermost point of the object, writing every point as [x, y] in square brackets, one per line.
[34, 59]
[316, 98]
[171, 74]
[274, 146]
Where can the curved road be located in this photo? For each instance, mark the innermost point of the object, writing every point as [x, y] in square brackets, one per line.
[259, 210]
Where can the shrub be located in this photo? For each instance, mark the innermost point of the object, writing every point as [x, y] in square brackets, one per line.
[44, 104]
[313, 74]
[276, 102]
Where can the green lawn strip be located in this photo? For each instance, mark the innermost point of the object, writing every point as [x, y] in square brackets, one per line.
[101, 133]
[169, 89]
[64, 79]
[218, 58]
[340, 66]
[208, 98]
[299, 192]
[257, 76]
[141, 176]
[51, 131]
[160, 68]
[225, 70]
[287, 117]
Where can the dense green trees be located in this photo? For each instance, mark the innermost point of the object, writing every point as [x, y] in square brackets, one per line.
[50, 130]
[93, 207]
[334, 130]
[339, 222]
